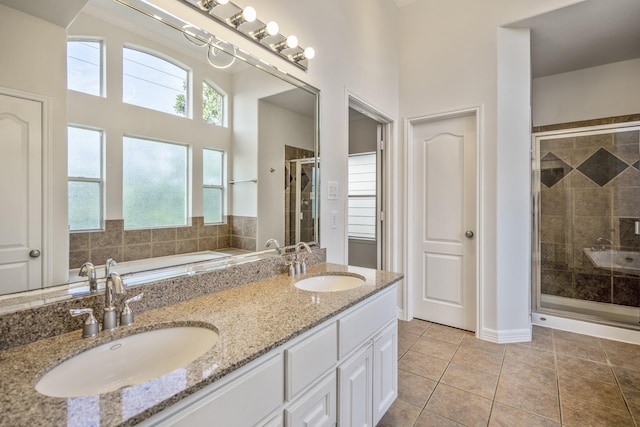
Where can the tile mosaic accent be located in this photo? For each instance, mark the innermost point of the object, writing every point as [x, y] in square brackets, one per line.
[637, 165]
[553, 169]
[602, 167]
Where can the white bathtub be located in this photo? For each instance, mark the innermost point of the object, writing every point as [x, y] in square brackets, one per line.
[627, 262]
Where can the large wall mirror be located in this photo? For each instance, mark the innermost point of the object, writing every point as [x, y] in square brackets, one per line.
[179, 147]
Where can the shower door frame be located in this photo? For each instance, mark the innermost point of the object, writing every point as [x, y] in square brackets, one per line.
[536, 266]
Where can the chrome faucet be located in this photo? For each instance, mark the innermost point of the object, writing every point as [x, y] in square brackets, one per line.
[601, 244]
[88, 270]
[114, 285]
[300, 265]
[107, 266]
[275, 242]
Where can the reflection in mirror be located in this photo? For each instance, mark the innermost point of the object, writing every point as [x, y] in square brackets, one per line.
[178, 152]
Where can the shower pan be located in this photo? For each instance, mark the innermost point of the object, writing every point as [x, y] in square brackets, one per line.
[586, 224]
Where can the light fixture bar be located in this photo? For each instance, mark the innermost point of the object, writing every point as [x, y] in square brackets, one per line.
[244, 21]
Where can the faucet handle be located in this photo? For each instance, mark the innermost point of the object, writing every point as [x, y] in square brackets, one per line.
[126, 316]
[90, 326]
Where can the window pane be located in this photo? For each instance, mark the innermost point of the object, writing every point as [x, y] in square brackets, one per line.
[84, 66]
[212, 167]
[362, 174]
[84, 205]
[84, 152]
[152, 82]
[212, 201]
[362, 217]
[362, 196]
[212, 105]
[154, 183]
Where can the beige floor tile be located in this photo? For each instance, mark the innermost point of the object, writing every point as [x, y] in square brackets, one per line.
[469, 379]
[542, 342]
[429, 419]
[414, 389]
[620, 346]
[588, 390]
[529, 398]
[573, 337]
[414, 326]
[401, 414]
[405, 341]
[577, 413]
[507, 416]
[585, 368]
[627, 378]
[516, 370]
[624, 359]
[434, 347]
[469, 341]
[478, 359]
[423, 365]
[460, 406]
[580, 350]
[530, 355]
[445, 333]
[632, 397]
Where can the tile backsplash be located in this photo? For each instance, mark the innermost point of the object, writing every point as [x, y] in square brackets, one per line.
[115, 242]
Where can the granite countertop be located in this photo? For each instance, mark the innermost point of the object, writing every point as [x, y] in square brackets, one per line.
[251, 320]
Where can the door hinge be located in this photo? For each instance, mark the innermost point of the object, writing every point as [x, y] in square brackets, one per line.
[381, 145]
[381, 215]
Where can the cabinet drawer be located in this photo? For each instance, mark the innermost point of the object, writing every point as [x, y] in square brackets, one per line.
[310, 358]
[316, 408]
[359, 325]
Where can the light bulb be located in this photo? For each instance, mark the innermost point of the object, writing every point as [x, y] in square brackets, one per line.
[309, 53]
[292, 41]
[272, 28]
[249, 14]
[223, 1]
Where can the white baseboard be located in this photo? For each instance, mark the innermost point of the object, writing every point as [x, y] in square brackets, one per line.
[402, 314]
[587, 328]
[505, 336]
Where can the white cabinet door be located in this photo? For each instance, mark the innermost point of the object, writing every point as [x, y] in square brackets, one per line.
[355, 389]
[385, 370]
[316, 408]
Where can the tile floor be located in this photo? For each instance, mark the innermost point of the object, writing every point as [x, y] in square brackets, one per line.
[447, 377]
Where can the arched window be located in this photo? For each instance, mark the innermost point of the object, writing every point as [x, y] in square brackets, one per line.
[153, 82]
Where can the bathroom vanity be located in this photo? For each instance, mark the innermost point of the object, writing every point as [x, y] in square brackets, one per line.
[283, 356]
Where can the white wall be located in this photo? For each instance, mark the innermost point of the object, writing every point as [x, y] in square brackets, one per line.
[448, 61]
[35, 62]
[277, 127]
[597, 92]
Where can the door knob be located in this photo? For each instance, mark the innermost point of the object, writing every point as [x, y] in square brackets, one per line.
[34, 253]
[468, 234]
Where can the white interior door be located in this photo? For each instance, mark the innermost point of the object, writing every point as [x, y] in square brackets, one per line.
[21, 194]
[444, 215]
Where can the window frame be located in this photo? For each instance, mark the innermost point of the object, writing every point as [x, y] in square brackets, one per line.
[188, 182]
[223, 94]
[221, 186]
[188, 113]
[102, 65]
[100, 181]
[369, 196]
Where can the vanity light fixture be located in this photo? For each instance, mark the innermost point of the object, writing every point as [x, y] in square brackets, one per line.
[246, 23]
[207, 5]
[248, 14]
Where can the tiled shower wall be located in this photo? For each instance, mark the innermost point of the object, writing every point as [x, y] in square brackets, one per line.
[128, 245]
[590, 188]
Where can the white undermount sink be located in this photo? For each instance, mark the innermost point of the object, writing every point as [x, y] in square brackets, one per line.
[127, 361]
[329, 283]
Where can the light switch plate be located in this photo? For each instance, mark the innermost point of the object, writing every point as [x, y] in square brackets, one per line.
[332, 190]
[334, 219]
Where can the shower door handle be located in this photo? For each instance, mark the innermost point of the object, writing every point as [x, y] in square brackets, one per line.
[468, 234]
